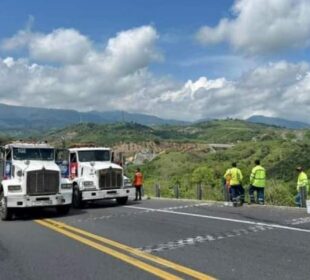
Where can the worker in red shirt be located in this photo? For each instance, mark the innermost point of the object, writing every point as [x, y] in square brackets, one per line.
[138, 182]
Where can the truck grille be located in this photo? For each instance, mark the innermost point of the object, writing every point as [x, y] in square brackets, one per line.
[110, 178]
[42, 182]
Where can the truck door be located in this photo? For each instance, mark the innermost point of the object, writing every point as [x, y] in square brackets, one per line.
[62, 160]
[73, 166]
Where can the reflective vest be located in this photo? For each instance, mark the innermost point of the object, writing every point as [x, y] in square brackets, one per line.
[138, 180]
[235, 176]
[258, 177]
[302, 181]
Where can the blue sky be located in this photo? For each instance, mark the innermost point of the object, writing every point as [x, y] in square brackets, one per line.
[168, 58]
[176, 20]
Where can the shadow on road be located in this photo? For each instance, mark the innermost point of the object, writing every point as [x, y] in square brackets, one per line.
[49, 213]
[42, 213]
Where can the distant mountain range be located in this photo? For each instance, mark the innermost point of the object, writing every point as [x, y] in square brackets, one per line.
[14, 118]
[28, 120]
[278, 122]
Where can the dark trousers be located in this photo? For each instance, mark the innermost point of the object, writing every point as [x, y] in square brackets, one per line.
[138, 192]
[237, 193]
[301, 197]
[260, 194]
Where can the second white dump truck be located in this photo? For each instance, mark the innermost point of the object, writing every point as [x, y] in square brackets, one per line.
[29, 177]
[94, 176]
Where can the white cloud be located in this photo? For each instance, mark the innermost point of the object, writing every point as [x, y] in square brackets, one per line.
[117, 78]
[87, 78]
[62, 45]
[19, 40]
[277, 89]
[135, 47]
[262, 26]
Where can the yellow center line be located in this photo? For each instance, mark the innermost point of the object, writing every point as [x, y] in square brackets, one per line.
[177, 267]
[135, 262]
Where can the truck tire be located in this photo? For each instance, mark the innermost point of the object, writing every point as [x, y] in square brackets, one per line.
[77, 201]
[63, 210]
[122, 200]
[6, 213]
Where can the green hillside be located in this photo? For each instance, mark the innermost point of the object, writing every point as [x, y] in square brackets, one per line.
[105, 135]
[280, 159]
[280, 151]
[220, 131]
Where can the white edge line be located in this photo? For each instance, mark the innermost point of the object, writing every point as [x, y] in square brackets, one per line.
[222, 219]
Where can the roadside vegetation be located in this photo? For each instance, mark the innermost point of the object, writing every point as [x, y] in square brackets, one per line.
[187, 170]
[280, 151]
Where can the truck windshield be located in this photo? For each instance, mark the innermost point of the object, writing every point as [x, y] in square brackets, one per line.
[95, 155]
[33, 154]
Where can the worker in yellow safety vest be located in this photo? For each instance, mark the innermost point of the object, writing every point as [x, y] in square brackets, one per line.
[237, 191]
[257, 183]
[302, 187]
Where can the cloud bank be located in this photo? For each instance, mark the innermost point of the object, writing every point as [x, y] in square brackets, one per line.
[262, 26]
[65, 69]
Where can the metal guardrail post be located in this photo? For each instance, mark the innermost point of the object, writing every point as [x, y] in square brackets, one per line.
[157, 190]
[177, 191]
[226, 193]
[199, 192]
[142, 191]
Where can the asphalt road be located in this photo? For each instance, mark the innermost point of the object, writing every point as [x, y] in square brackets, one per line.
[155, 239]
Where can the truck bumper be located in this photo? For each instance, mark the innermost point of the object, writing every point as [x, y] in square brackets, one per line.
[108, 194]
[24, 201]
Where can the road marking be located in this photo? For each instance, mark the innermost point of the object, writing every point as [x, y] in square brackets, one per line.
[69, 231]
[187, 206]
[122, 215]
[222, 219]
[299, 221]
[171, 245]
[107, 217]
[133, 261]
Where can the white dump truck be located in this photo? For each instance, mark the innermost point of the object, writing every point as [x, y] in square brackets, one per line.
[29, 177]
[95, 177]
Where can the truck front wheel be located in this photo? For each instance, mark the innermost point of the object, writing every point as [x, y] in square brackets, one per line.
[122, 200]
[5, 212]
[77, 201]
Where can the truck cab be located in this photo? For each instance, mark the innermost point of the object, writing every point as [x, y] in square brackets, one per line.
[29, 177]
[95, 177]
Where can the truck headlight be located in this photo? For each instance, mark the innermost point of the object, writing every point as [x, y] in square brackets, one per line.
[88, 183]
[14, 188]
[66, 186]
[127, 183]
